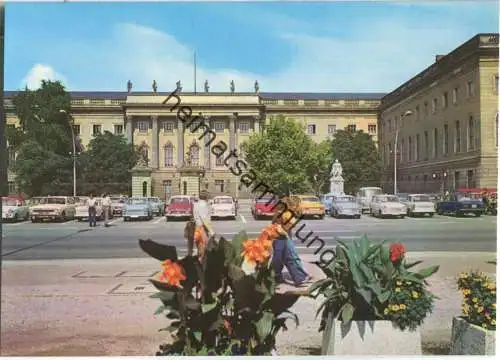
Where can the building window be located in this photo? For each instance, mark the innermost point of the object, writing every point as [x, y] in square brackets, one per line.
[372, 129]
[434, 105]
[311, 129]
[445, 100]
[219, 186]
[470, 133]
[194, 155]
[426, 108]
[457, 137]
[417, 113]
[143, 126]
[167, 186]
[332, 129]
[76, 129]
[168, 126]
[455, 95]
[496, 84]
[118, 129]
[389, 124]
[244, 127]
[417, 146]
[11, 160]
[470, 89]
[426, 145]
[435, 144]
[402, 151]
[471, 184]
[219, 161]
[351, 128]
[457, 179]
[445, 139]
[219, 126]
[410, 150]
[168, 155]
[96, 129]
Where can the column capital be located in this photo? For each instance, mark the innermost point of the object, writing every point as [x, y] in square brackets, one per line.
[154, 117]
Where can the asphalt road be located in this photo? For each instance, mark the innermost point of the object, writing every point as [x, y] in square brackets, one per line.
[73, 240]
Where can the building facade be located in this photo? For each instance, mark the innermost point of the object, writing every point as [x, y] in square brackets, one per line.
[439, 130]
[179, 162]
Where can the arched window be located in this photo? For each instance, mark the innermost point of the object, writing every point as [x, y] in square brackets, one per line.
[194, 155]
[169, 155]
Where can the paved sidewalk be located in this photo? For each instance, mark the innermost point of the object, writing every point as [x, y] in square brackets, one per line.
[101, 307]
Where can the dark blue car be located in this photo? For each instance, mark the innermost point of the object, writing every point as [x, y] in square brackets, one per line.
[461, 204]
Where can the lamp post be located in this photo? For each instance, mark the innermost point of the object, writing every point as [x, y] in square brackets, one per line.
[407, 113]
[443, 178]
[74, 150]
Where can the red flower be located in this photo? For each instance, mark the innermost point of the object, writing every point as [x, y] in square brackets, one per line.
[397, 252]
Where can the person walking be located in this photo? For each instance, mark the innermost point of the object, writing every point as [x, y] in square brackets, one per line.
[106, 208]
[92, 203]
[201, 218]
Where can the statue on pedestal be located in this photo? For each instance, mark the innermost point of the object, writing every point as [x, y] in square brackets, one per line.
[256, 87]
[178, 86]
[129, 86]
[155, 87]
[336, 179]
[207, 88]
[187, 161]
[231, 86]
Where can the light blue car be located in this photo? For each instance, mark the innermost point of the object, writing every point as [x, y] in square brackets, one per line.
[327, 200]
[137, 208]
[158, 206]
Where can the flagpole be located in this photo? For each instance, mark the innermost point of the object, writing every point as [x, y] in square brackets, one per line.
[194, 59]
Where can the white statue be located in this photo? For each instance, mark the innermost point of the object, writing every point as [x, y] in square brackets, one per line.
[336, 179]
[336, 172]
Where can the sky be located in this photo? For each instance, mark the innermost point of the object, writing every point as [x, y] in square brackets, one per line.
[286, 47]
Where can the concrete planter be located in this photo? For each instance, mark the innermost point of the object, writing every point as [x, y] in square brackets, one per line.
[369, 338]
[469, 339]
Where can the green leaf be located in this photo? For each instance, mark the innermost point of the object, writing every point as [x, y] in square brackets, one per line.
[376, 288]
[235, 273]
[365, 245]
[237, 243]
[192, 304]
[366, 294]
[347, 312]
[410, 265]
[208, 307]
[160, 309]
[425, 273]
[173, 314]
[197, 335]
[318, 284]
[166, 296]
[264, 325]
[384, 297]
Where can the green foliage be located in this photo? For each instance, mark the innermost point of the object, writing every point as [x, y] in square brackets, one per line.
[479, 293]
[360, 159]
[361, 283]
[279, 156]
[319, 166]
[220, 310]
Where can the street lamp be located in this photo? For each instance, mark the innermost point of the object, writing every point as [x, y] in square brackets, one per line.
[407, 113]
[443, 179]
[74, 150]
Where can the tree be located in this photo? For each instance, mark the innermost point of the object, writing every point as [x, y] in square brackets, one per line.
[107, 164]
[279, 155]
[360, 159]
[319, 166]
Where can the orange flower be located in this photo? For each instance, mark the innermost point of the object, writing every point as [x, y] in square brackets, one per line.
[256, 251]
[198, 237]
[227, 326]
[172, 273]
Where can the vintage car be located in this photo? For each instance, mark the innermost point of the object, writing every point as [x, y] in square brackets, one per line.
[55, 208]
[158, 206]
[223, 207]
[137, 208]
[460, 204]
[82, 209]
[117, 204]
[326, 200]
[309, 206]
[14, 209]
[34, 201]
[387, 205]
[179, 207]
[345, 206]
[264, 207]
[419, 205]
[364, 197]
[487, 195]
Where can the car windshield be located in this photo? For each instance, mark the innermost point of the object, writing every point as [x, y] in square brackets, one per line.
[35, 201]
[9, 202]
[418, 198]
[53, 200]
[179, 201]
[223, 200]
[329, 198]
[390, 199]
[154, 199]
[310, 199]
[345, 199]
[371, 192]
[467, 196]
[137, 201]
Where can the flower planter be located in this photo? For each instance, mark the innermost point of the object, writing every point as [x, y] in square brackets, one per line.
[369, 338]
[470, 339]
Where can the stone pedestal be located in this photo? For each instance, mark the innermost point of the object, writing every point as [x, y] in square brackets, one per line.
[470, 339]
[141, 181]
[337, 186]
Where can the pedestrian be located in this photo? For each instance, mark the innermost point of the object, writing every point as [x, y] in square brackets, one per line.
[106, 208]
[201, 218]
[92, 203]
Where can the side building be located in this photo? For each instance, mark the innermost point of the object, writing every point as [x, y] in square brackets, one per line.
[439, 130]
[179, 162]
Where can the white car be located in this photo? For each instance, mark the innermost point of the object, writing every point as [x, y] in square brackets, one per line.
[14, 210]
[364, 197]
[59, 208]
[82, 210]
[419, 205]
[387, 205]
[223, 207]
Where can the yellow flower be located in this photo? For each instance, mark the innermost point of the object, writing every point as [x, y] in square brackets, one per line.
[484, 325]
[493, 322]
[476, 306]
[397, 289]
[395, 307]
[402, 306]
[386, 311]
[415, 294]
[494, 306]
[480, 309]
[492, 286]
[475, 300]
[399, 283]
[463, 276]
[466, 292]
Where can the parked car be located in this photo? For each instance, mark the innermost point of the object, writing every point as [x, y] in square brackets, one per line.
[264, 207]
[403, 197]
[387, 205]
[326, 200]
[117, 204]
[179, 207]
[364, 197]
[14, 209]
[158, 206]
[223, 207]
[310, 206]
[461, 204]
[55, 208]
[419, 205]
[82, 209]
[137, 208]
[345, 206]
[34, 201]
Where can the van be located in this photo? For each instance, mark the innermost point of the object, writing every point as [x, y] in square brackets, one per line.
[364, 197]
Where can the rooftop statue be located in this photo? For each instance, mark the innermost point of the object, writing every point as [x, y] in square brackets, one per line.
[207, 88]
[155, 87]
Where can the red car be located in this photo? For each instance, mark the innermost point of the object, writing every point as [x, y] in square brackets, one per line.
[264, 207]
[179, 207]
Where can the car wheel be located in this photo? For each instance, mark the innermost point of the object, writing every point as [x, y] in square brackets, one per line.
[431, 215]
[380, 214]
[63, 216]
[26, 217]
[357, 217]
[125, 219]
[322, 217]
[402, 216]
[33, 220]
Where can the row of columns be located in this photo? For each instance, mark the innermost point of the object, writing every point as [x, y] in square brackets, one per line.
[233, 138]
